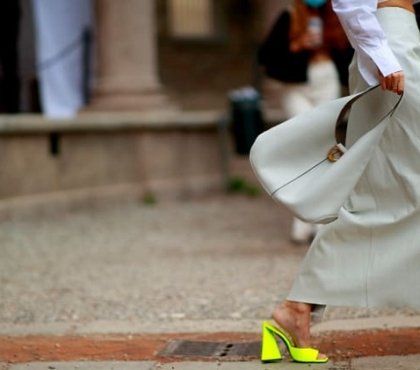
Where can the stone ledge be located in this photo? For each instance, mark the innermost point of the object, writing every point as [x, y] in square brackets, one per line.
[185, 326]
[188, 153]
[97, 151]
[117, 121]
[36, 123]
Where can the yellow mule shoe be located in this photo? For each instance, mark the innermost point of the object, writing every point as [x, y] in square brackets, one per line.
[270, 350]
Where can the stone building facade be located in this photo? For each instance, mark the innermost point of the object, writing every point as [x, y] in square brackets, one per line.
[187, 53]
[164, 53]
[153, 124]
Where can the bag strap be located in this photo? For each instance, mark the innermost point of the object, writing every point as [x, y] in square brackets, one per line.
[338, 150]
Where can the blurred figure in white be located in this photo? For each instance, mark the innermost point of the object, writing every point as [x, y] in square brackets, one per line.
[60, 25]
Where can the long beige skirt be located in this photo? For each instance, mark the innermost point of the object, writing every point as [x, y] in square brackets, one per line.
[370, 256]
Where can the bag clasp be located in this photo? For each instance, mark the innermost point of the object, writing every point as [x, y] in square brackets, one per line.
[336, 152]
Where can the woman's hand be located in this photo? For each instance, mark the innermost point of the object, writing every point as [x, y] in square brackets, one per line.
[393, 82]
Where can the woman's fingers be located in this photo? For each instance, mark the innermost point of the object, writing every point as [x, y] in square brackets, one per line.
[396, 82]
[393, 82]
[383, 83]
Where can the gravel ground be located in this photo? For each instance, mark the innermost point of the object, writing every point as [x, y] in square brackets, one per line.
[218, 258]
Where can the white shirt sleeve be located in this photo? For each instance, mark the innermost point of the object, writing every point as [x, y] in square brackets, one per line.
[367, 38]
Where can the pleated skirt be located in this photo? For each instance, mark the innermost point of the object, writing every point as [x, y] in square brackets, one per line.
[370, 256]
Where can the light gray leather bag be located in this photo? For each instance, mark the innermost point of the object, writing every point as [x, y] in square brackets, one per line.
[301, 164]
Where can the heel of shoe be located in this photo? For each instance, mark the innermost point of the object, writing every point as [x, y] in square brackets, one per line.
[269, 348]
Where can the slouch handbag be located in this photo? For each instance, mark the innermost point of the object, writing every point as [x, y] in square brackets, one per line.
[301, 164]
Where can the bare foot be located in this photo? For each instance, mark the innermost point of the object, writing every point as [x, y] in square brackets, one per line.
[295, 318]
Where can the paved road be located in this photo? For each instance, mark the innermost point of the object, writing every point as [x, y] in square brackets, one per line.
[214, 263]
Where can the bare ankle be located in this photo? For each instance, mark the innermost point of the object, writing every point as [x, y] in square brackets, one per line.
[294, 317]
[298, 308]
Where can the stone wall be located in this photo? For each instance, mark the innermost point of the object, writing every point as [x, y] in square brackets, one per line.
[171, 157]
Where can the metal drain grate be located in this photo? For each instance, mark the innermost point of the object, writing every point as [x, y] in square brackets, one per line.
[184, 348]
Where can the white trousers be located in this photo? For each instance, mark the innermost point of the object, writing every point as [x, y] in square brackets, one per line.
[370, 255]
[323, 85]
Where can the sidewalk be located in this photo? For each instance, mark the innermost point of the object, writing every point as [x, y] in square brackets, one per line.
[114, 286]
[383, 363]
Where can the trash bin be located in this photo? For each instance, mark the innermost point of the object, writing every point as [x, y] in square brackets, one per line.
[246, 118]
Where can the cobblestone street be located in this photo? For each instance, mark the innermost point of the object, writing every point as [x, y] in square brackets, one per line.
[223, 259]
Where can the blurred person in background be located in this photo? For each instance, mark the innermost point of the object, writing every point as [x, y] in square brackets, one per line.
[9, 71]
[308, 52]
[417, 10]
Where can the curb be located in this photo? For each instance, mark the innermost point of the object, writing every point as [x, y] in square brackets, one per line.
[201, 326]
[339, 345]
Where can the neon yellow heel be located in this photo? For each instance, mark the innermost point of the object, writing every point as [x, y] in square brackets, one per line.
[270, 350]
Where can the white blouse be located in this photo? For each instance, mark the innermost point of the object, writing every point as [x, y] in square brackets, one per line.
[367, 38]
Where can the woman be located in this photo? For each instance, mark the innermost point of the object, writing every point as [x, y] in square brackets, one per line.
[369, 256]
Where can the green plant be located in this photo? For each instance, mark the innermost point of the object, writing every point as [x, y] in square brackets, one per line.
[240, 185]
[149, 198]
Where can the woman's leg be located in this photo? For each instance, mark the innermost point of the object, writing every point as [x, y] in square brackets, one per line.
[295, 318]
[296, 100]
[301, 232]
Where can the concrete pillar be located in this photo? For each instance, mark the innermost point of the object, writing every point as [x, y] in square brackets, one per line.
[126, 64]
